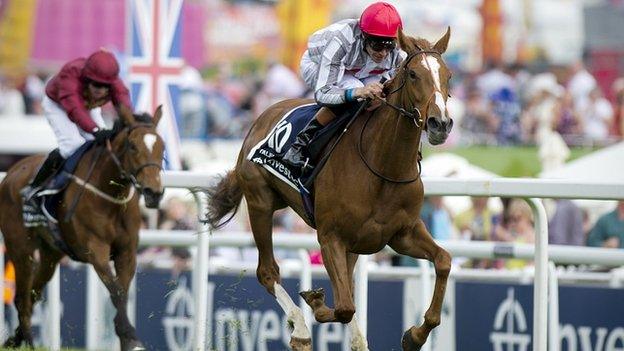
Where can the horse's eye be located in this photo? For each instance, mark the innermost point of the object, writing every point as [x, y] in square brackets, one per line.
[133, 147]
[412, 74]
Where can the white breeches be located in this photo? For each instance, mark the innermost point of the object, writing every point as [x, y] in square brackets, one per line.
[69, 136]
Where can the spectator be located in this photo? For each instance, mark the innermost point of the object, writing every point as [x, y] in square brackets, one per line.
[11, 100]
[565, 225]
[476, 224]
[581, 84]
[609, 229]
[479, 123]
[618, 120]
[517, 228]
[597, 114]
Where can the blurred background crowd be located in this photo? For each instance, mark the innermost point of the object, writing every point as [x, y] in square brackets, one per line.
[537, 77]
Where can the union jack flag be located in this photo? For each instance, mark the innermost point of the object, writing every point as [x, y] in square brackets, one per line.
[155, 66]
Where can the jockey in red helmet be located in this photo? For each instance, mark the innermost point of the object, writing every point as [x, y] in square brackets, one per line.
[344, 63]
[72, 106]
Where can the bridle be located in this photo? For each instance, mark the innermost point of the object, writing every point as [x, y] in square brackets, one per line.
[133, 173]
[415, 115]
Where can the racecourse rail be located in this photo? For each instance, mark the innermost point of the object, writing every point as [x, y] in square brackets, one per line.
[532, 190]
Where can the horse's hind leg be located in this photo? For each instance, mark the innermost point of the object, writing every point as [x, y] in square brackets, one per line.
[259, 203]
[418, 243]
[24, 263]
[48, 260]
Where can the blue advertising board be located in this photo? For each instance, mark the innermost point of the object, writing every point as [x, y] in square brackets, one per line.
[500, 317]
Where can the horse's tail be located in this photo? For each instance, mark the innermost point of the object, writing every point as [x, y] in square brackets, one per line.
[223, 198]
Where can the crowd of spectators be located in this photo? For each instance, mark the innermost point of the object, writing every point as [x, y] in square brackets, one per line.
[502, 105]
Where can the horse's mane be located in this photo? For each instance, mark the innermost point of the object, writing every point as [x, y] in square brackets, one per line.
[138, 117]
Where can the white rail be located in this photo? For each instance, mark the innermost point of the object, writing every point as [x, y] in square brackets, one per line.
[530, 189]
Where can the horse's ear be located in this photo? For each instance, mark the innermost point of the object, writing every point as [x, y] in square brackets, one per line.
[406, 43]
[125, 114]
[442, 44]
[157, 115]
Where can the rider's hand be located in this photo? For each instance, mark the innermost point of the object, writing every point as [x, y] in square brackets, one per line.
[102, 135]
[371, 91]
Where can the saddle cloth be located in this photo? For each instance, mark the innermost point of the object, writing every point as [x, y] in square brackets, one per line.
[269, 151]
[50, 196]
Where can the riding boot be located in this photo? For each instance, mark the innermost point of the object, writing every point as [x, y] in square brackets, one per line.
[294, 156]
[47, 169]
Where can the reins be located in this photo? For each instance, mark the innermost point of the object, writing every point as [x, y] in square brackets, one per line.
[415, 116]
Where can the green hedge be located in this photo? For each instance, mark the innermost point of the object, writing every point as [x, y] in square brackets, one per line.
[518, 161]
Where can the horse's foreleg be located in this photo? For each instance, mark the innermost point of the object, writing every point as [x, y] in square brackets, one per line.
[418, 243]
[268, 276]
[118, 296]
[335, 261]
[125, 268]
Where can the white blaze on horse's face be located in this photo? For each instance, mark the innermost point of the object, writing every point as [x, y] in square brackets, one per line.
[432, 65]
[149, 139]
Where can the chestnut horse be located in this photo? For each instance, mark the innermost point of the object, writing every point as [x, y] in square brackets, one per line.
[104, 226]
[371, 179]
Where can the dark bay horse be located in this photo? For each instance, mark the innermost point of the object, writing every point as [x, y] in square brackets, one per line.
[104, 226]
[364, 200]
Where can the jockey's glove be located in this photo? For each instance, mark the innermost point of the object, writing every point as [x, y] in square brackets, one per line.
[102, 135]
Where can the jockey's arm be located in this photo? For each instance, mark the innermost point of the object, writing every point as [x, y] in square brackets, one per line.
[74, 105]
[330, 69]
[120, 94]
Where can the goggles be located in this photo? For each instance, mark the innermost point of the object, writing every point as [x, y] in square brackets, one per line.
[99, 85]
[379, 44]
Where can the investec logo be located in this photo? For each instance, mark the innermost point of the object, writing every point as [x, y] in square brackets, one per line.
[510, 327]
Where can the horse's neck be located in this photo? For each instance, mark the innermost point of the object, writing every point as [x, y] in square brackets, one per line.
[391, 142]
[105, 176]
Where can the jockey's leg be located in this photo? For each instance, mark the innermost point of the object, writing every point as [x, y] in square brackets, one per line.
[295, 155]
[418, 243]
[46, 170]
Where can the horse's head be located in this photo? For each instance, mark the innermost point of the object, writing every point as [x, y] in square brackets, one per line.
[140, 150]
[422, 82]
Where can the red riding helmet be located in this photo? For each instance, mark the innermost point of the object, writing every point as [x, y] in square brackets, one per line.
[101, 67]
[381, 19]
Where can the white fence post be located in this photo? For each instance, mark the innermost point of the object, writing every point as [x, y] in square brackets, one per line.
[554, 344]
[200, 285]
[53, 316]
[361, 293]
[540, 285]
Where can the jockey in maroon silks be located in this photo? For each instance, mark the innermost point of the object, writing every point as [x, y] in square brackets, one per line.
[344, 63]
[72, 106]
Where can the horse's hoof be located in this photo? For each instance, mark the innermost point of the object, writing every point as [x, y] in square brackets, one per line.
[135, 345]
[407, 343]
[11, 343]
[312, 295]
[298, 344]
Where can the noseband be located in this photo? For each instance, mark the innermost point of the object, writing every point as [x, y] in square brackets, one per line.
[132, 174]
